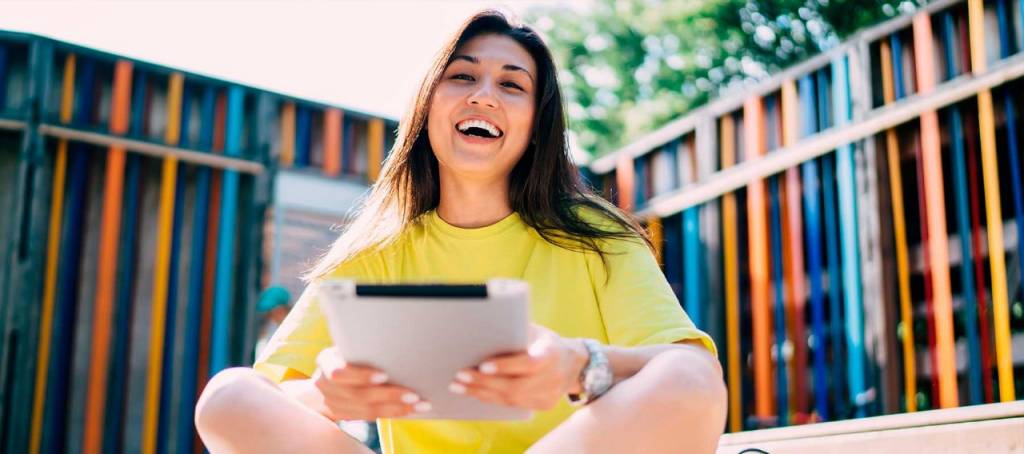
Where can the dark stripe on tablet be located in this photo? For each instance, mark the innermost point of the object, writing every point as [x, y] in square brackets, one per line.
[423, 290]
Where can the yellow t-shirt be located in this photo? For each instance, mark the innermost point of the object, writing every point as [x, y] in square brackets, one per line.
[571, 294]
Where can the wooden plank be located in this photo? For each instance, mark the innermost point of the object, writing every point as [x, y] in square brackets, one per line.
[52, 254]
[731, 277]
[624, 180]
[760, 282]
[287, 155]
[302, 136]
[794, 252]
[693, 296]
[930, 418]
[900, 234]
[970, 132]
[657, 238]
[1000, 435]
[782, 391]
[993, 209]
[960, 192]
[375, 148]
[162, 267]
[938, 243]
[194, 300]
[1012, 144]
[812, 219]
[332, 142]
[832, 254]
[223, 297]
[107, 266]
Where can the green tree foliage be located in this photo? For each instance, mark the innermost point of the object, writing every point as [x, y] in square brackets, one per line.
[629, 66]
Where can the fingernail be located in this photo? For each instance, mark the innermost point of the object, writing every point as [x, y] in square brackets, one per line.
[464, 377]
[378, 378]
[457, 388]
[410, 398]
[422, 407]
[488, 368]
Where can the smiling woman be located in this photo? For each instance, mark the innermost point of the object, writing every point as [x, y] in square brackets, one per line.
[479, 185]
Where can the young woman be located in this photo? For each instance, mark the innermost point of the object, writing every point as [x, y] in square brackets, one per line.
[479, 185]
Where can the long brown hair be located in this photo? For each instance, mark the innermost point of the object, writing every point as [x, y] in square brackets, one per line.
[545, 187]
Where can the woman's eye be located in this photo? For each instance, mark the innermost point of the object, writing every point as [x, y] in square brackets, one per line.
[513, 85]
[462, 77]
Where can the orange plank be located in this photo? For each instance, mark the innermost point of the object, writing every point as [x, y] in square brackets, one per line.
[624, 179]
[110, 231]
[760, 278]
[793, 257]
[332, 142]
[730, 243]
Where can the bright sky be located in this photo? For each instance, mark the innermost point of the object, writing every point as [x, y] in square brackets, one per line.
[365, 55]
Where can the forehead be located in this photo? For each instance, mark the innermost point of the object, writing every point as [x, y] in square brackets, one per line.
[498, 49]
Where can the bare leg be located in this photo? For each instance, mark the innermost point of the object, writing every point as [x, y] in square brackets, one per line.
[240, 411]
[655, 411]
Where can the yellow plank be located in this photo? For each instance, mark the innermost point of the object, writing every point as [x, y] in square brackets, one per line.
[993, 210]
[375, 148]
[730, 239]
[162, 268]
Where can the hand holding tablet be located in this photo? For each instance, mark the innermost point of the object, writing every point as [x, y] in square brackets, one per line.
[421, 336]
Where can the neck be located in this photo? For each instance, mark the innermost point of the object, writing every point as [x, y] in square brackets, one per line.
[473, 203]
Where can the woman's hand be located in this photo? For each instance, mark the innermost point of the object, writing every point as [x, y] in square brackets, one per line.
[537, 379]
[352, 392]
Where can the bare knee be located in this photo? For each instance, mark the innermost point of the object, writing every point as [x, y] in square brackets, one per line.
[228, 396]
[685, 386]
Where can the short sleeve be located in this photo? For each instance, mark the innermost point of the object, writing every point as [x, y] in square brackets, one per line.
[291, 352]
[637, 304]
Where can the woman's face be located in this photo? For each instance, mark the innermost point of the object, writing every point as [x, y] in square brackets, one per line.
[481, 113]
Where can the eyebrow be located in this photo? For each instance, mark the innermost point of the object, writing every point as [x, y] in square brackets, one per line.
[475, 60]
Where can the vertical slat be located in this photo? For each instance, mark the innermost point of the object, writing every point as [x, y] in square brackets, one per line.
[693, 300]
[332, 142]
[795, 252]
[107, 266]
[68, 273]
[938, 244]
[1012, 146]
[900, 234]
[52, 254]
[223, 298]
[849, 236]
[812, 220]
[657, 237]
[375, 148]
[960, 192]
[731, 278]
[303, 126]
[993, 208]
[162, 266]
[196, 283]
[624, 179]
[775, 247]
[287, 155]
[760, 298]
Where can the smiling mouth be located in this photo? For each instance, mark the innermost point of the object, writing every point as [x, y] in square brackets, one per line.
[479, 128]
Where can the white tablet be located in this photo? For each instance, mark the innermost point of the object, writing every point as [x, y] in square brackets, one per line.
[421, 335]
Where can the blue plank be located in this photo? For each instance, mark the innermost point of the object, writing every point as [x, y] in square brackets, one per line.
[69, 270]
[1011, 131]
[639, 184]
[693, 302]
[222, 299]
[960, 192]
[812, 235]
[194, 300]
[836, 338]
[849, 237]
[781, 381]
[302, 138]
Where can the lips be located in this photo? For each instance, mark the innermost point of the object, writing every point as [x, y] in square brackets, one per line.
[478, 128]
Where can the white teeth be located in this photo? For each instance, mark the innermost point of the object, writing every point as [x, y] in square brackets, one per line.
[465, 125]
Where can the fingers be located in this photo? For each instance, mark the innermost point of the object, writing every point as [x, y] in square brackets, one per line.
[516, 364]
[334, 368]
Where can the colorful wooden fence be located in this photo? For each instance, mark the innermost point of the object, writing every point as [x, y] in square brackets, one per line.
[871, 214]
[134, 200]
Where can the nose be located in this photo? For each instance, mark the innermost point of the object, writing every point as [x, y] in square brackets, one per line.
[483, 96]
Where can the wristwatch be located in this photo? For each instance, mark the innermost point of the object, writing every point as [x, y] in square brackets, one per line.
[596, 377]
